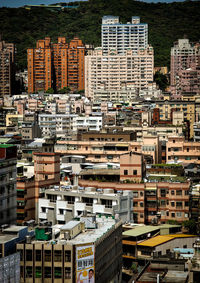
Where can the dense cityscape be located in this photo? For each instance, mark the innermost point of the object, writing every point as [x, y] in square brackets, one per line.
[100, 159]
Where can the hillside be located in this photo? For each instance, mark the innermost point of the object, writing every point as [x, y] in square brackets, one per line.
[167, 23]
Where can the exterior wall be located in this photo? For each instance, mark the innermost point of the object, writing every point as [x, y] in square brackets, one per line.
[41, 262]
[7, 54]
[184, 56]
[8, 159]
[165, 247]
[182, 151]
[66, 59]
[187, 107]
[121, 37]
[169, 200]
[101, 69]
[99, 152]
[131, 167]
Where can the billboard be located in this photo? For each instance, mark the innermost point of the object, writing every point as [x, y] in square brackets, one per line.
[85, 272]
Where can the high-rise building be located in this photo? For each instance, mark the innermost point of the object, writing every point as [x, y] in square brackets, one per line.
[56, 65]
[185, 68]
[109, 72]
[7, 55]
[8, 160]
[121, 37]
[40, 73]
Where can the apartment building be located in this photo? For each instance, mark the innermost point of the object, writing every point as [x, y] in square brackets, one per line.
[7, 59]
[184, 69]
[110, 151]
[91, 123]
[115, 35]
[190, 111]
[79, 248]
[56, 65]
[8, 160]
[62, 203]
[181, 151]
[57, 124]
[111, 70]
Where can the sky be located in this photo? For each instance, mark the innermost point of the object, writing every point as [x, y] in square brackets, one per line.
[19, 3]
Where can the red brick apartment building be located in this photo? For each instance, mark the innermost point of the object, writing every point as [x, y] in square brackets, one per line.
[56, 65]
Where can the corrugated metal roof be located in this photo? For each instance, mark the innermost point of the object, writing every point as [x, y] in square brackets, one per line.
[135, 232]
[158, 240]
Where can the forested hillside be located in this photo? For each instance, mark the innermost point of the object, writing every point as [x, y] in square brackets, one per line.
[167, 23]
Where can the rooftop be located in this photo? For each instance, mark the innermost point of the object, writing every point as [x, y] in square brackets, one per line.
[158, 240]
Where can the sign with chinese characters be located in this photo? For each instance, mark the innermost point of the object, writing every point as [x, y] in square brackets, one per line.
[85, 264]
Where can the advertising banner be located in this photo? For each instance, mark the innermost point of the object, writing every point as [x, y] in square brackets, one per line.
[85, 264]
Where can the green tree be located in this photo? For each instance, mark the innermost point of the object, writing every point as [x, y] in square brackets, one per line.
[161, 80]
[191, 226]
[50, 90]
[64, 90]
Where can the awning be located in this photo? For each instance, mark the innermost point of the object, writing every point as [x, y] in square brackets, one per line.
[121, 144]
[151, 189]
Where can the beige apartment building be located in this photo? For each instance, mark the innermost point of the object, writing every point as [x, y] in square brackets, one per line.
[110, 71]
[110, 151]
[181, 151]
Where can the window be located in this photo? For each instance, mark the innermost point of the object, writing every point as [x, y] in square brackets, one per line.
[172, 193]
[57, 256]
[29, 255]
[29, 272]
[67, 273]
[57, 272]
[179, 214]
[67, 256]
[141, 215]
[47, 255]
[141, 204]
[134, 172]
[47, 272]
[168, 251]
[38, 255]
[38, 272]
[141, 194]
[125, 172]
[173, 214]
[179, 204]
[179, 193]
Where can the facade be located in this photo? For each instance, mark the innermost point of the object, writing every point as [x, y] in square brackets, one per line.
[190, 111]
[181, 151]
[184, 74]
[61, 204]
[56, 65]
[8, 160]
[112, 70]
[7, 58]
[110, 151]
[121, 37]
[46, 259]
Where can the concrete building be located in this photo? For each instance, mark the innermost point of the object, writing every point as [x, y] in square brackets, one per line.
[7, 60]
[57, 124]
[99, 247]
[111, 70]
[184, 73]
[109, 151]
[164, 244]
[189, 109]
[8, 160]
[56, 65]
[181, 151]
[121, 37]
[63, 203]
